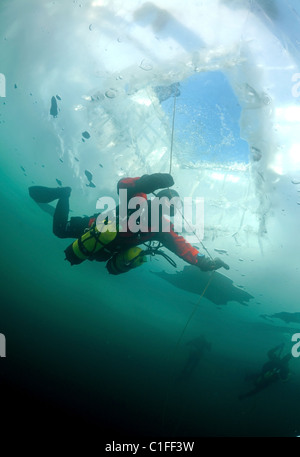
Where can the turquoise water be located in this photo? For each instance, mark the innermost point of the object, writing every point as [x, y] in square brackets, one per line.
[105, 353]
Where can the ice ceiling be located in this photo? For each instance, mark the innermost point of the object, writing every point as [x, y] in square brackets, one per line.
[103, 60]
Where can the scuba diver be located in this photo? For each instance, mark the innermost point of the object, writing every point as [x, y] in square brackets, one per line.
[117, 247]
[275, 369]
[197, 348]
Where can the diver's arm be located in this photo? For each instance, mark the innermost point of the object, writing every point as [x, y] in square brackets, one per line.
[145, 184]
[187, 252]
[206, 264]
[177, 244]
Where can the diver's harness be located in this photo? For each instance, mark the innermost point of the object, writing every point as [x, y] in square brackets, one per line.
[153, 250]
[124, 261]
[94, 240]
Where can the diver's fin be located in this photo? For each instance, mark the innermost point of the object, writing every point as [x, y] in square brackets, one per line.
[42, 194]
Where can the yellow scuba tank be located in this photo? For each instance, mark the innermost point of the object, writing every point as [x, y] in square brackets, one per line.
[89, 243]
[125, 261]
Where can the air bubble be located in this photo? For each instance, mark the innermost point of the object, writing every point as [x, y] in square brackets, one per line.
[111, 93]
[146, 65]
[266, 99]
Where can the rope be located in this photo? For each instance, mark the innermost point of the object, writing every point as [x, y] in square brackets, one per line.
[172, 357]
[195, 309]
[153, 252]
[172, 137]
[170, 170]
[202, 294]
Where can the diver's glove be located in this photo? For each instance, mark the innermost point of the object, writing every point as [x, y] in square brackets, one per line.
[150, 183]
[206, 264]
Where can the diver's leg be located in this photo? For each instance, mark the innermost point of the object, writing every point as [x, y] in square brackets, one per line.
[61, 227]
[41, 194]
[194, 361]
[187, 368]
[60, 218]
[191, 364]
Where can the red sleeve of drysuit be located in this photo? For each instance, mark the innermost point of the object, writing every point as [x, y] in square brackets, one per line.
[131, 185]
[177, 244]
[146, 184]
[127, 183]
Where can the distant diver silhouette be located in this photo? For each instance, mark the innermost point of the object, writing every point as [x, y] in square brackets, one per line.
[274, 370]
[197, 348]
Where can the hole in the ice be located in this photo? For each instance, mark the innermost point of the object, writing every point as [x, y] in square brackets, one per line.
[207, 120]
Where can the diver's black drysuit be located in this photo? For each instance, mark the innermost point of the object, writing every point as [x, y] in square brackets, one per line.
[274, 369]
[140, 186]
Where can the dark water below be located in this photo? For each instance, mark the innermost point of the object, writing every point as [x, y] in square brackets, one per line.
[107, 354]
